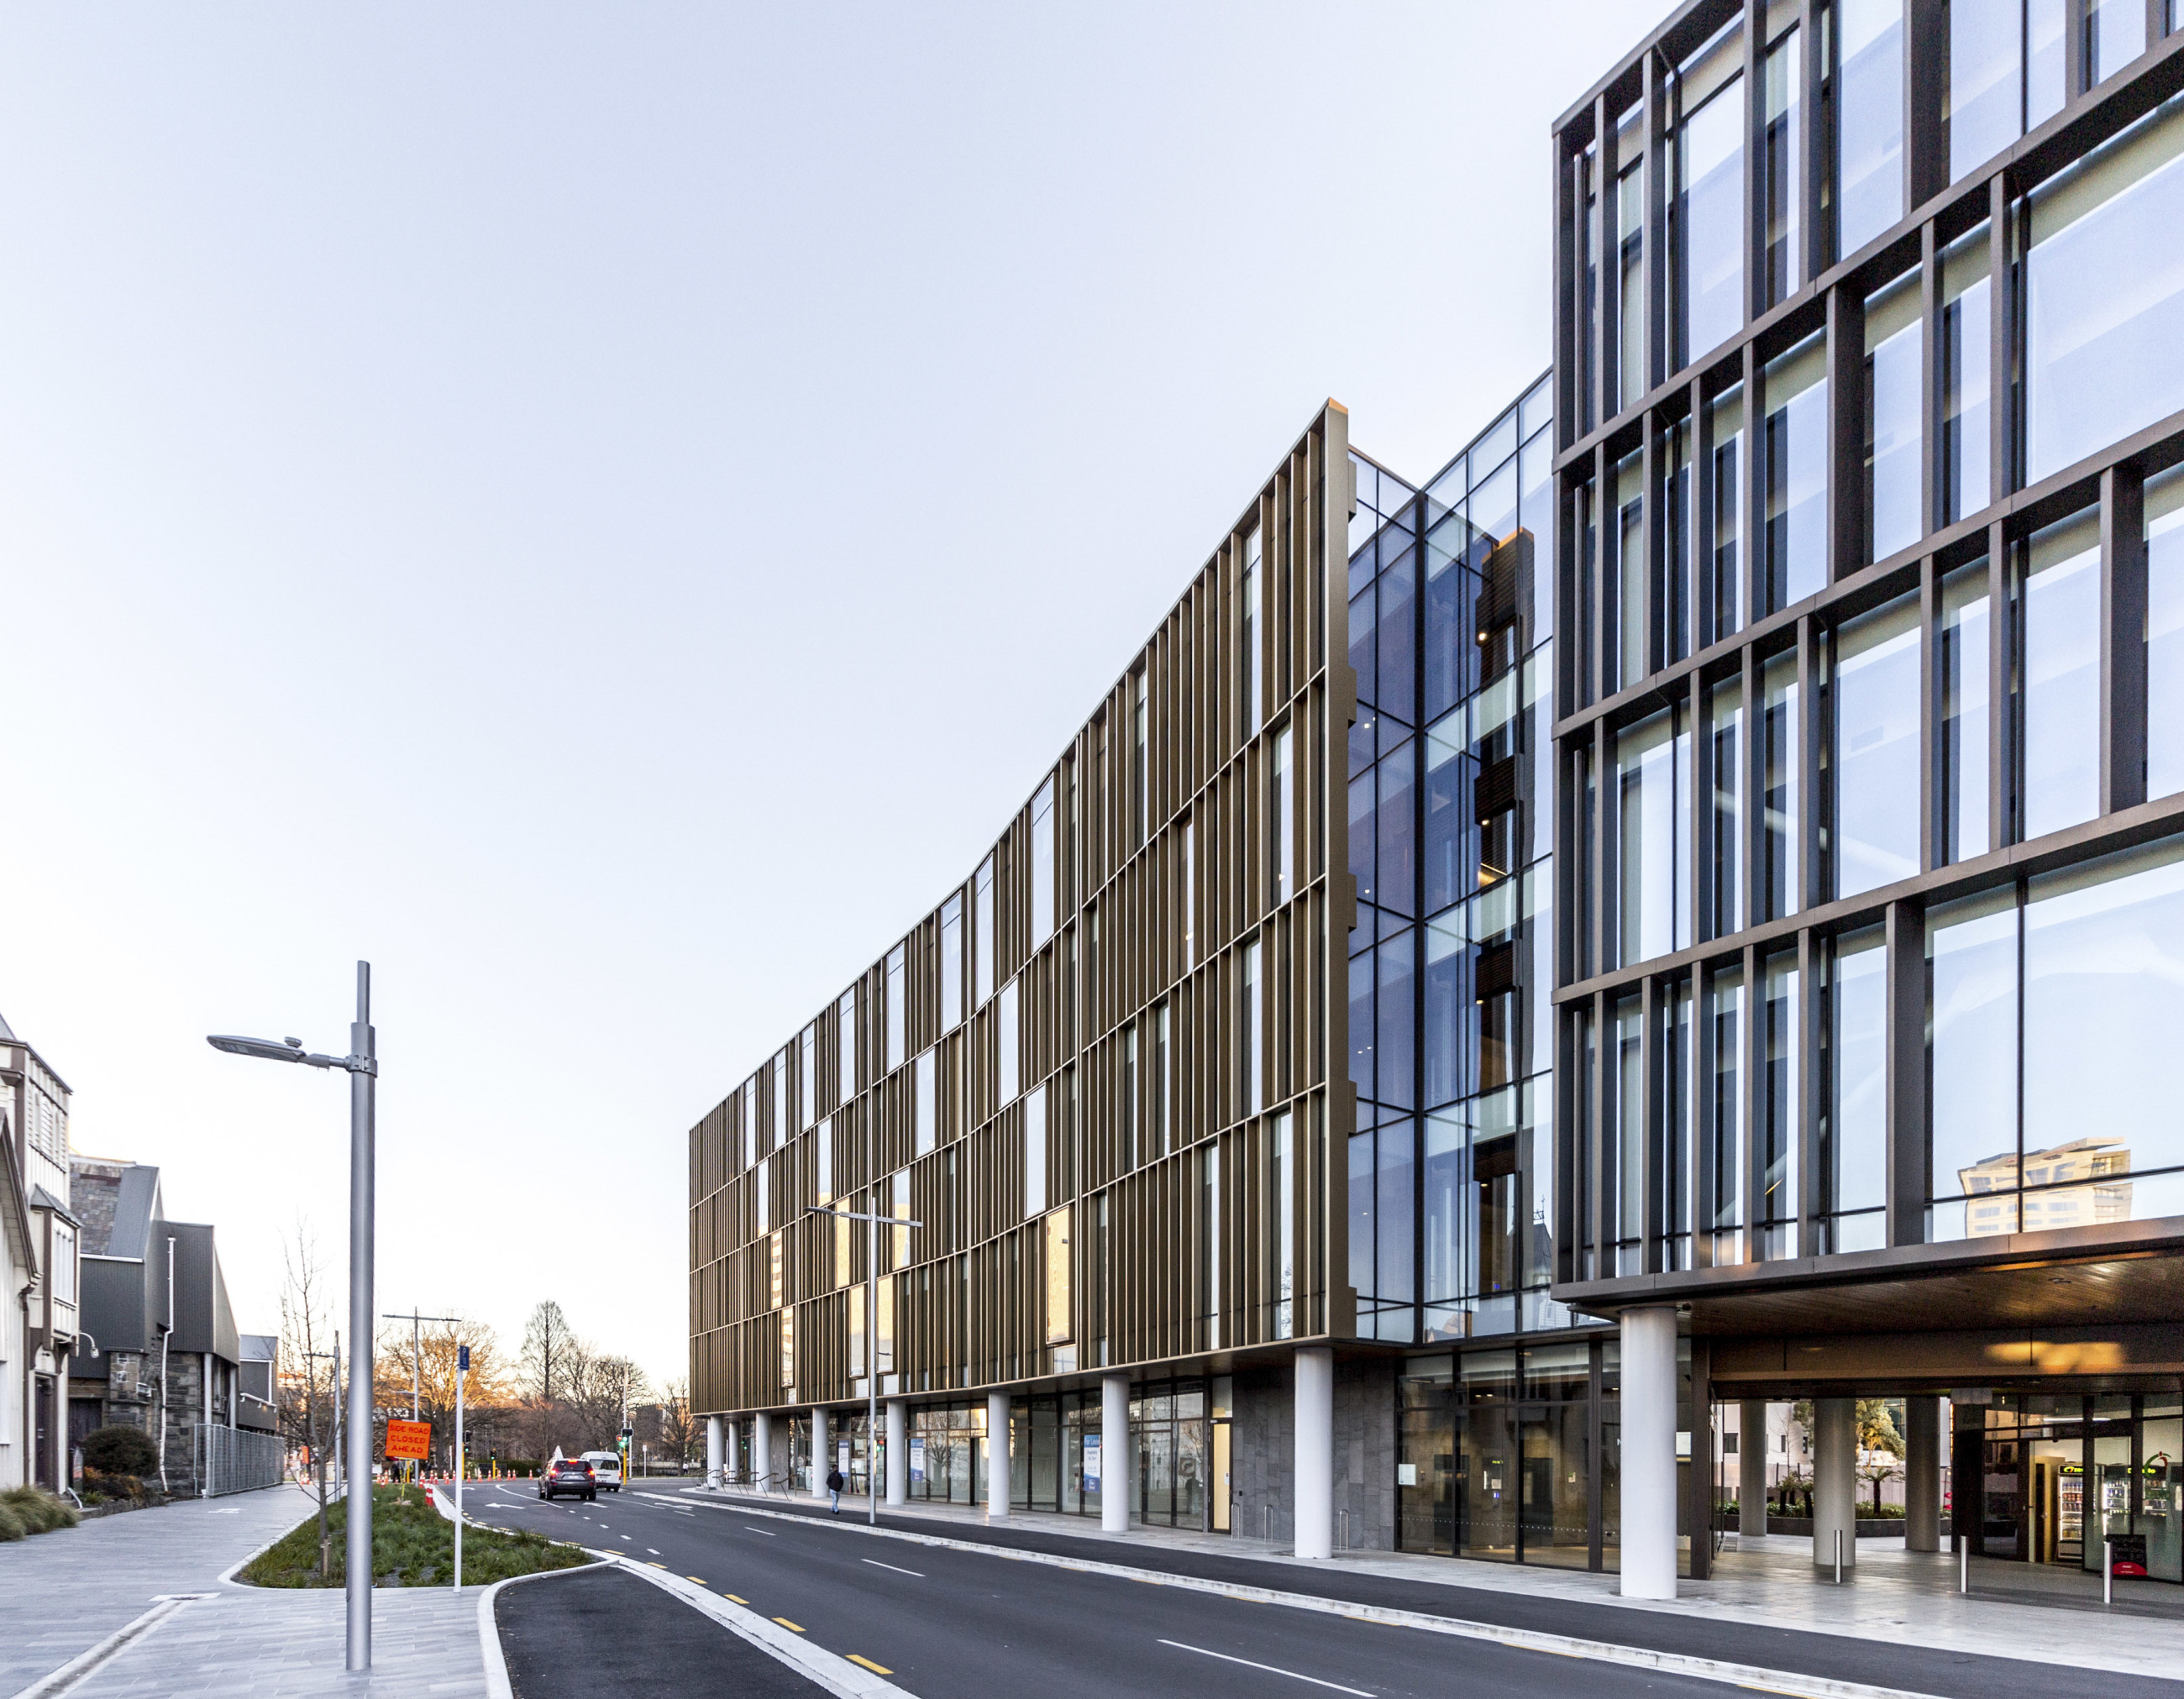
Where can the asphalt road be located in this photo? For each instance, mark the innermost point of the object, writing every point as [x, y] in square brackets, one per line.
[942, 1623]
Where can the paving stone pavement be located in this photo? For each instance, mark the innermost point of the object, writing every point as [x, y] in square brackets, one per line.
[63, 1593]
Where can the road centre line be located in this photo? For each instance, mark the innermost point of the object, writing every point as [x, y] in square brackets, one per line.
[876, 1668]
[877, 1564]
[1271, 1669]
[768, 1532]
[788, 1624]
[1792, 1682]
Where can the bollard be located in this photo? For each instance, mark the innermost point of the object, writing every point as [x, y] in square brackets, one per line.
[1964, 1563]
[1838, 1556]
[2108, 1570]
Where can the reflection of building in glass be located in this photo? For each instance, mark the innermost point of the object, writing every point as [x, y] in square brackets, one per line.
[2059, 1197]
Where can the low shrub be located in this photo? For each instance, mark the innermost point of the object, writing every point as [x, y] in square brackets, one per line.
[38, 1510]
[120, 1449]
[412, 1546]
[11, 1525]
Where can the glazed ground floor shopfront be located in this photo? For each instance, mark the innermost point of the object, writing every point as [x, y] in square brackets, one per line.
[1510, 1451]
[2058, 1474]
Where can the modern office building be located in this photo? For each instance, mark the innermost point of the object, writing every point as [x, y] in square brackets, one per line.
[1683, 923]
[1870, 748]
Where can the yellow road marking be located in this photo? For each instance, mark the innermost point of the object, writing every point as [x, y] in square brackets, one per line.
[876, 1668]
[786, 1623]
[699, 1580]
[732, 1595]
[656, 1566]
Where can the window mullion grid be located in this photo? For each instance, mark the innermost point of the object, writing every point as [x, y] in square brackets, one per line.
[1698, 524]
[1752, 220]
[1929, 379]
[1812, 887]
[1813, 144]
[1698, 808]
[1653, 126]
[1846, 454]
[1601, 1203]
[1752, 1036]
[1905, 1072]
[1701, 1087]
[1654, 589]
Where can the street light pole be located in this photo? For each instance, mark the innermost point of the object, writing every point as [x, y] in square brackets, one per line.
[361, 1064]
[873, 1223]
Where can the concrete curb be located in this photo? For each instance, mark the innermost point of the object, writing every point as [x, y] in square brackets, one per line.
[830, 1670]
[1523, 1640]
[84, 1664]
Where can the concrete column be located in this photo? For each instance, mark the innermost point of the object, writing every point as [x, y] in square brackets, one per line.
[1649, 1453]
[1834, 1481]
[1314, 1509]
[997, 1454]
[761, 1446]
[1922, 1473]
[822, 1452]
[1752, 1466]
[898, 1451]
[1114, 1452]
[715, 1445]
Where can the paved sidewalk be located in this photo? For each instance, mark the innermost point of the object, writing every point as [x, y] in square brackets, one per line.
[1766, 1605]
[61, 1594]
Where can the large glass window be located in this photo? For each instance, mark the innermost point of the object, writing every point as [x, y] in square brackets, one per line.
[846, 1051]
[1157, 1122]
[1874, 765]
[1141, 814]
[897, 1007]
[1985, 112]
[1627, 571]
[1971, 1099]
[929, 1108]
[951, 962]
[1794, 444]
[1965, 758]
[2104, 296]
[1630, 224]
[2096, 1139]
[1966, 366]
[1034, 1152]
[1252, 1030]
[2115, 35]
[1652, 778]
[1398, 1011]
[1397, 887]
[1709, 197]
[1853, 1160]
[1677, 541]
[1627, 1210]
[1782, 188]
[1725, 1206]
[983, 943]
[1004, 1044]
[1247, 647]
[2164, 634]
[1042, 864]
[1780, 1146]
[1727, 429]
[1782, 877]
[1726, 778]
[807, 1051]
[1283, 817]
[1894, 361]
[2058, 709]
[1281, 1213]
[1868, 120]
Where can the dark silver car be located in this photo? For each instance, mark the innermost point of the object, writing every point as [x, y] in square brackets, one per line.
[569, 1475]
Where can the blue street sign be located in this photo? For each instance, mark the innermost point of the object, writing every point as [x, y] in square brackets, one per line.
[463, 1358]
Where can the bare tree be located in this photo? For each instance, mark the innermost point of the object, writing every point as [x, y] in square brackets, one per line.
[601, 1388]
[678, 1432]
[550, 1351]
[306, 1323]
[437, 1350]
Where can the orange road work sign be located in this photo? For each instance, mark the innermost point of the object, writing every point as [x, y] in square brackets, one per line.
[410, 1439]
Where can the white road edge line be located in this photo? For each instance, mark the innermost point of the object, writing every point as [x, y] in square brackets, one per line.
[836, 1674]
[1271, 1669]
[877, 1564]
[768, 1532]
[1528, 1639]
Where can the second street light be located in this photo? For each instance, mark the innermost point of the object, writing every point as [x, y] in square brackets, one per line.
[873, 1223]
[362, 1066]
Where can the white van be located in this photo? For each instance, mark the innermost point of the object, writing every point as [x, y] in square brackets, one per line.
[606, 1470]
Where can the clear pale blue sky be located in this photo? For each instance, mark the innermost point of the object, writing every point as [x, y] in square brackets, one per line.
[606, 510]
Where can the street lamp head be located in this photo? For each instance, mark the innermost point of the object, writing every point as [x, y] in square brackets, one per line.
[265, 1050]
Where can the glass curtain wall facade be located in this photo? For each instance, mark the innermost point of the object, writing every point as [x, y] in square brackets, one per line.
[1870, 862]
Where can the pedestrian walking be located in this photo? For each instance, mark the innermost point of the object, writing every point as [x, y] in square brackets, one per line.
[834, 1485]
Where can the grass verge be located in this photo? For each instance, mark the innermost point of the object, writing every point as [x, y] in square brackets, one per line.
[26, 1510]
[412, 1546]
